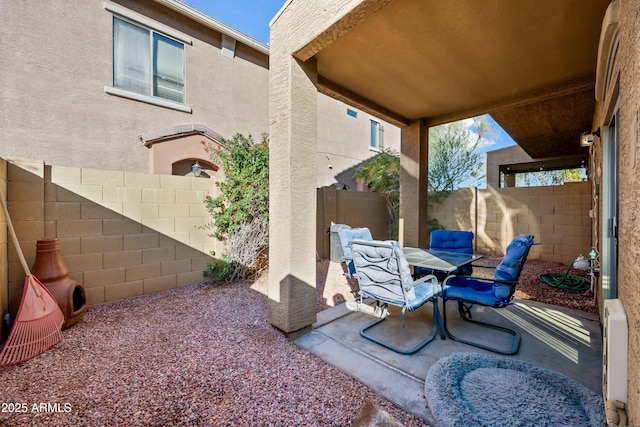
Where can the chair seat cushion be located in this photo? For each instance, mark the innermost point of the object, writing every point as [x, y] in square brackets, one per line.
[508, 267]
[383, 273]
[452, 241]
[477, 291]
[416, 297]
[420, 294]
[348, 235]
[449, 241]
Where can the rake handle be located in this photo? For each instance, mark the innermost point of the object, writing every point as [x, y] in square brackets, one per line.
[17, 245]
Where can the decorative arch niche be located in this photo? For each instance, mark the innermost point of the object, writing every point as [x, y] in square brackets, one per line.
[184, 168]
[175, 150]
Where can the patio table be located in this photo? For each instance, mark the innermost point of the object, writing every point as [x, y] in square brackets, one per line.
[438, 260]
[432, 259]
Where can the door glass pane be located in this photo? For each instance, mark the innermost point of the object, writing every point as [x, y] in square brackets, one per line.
[131, 57]
[609, 258]
[168, 68]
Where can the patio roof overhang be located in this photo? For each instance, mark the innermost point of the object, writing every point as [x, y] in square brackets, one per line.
[530, 64]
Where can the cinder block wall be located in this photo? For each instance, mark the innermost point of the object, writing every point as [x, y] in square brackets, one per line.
[25, 200]
[455, 211]
[4, 268]
[121, 234]
[558, 217]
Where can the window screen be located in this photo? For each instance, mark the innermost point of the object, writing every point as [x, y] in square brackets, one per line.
[147, 62]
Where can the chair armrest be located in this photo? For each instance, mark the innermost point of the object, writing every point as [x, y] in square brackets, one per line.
[482, 279]
[431, 277]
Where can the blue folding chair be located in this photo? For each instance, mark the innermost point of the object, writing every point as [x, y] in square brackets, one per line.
[497, 292]
[449, 241]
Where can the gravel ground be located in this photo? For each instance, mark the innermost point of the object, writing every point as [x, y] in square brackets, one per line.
[204, 355]
[201, 355]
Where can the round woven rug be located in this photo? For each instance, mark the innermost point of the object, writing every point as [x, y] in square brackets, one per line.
[472, 389]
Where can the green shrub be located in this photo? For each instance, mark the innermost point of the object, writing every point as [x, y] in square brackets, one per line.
[220, 269]
[240, 215]
[382, 174]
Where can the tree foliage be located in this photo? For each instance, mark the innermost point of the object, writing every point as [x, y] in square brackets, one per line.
[240, 214]
[455, 158]
[382, 174]
[544, 178]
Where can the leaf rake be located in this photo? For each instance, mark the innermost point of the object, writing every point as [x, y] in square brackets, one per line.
[38, 324]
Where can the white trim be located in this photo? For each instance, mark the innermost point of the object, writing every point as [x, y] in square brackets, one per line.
[609, 36]
[214, 24]
[148, 22]
[148, 99]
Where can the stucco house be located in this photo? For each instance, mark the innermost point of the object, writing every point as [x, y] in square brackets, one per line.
[562, 78]
[105, 108]
[137, 85]
[504, 164]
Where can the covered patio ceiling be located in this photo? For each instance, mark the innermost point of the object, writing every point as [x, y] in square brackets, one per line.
[529, 63]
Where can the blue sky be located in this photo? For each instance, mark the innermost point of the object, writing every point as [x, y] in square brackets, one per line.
[252, 17]
[501, 139]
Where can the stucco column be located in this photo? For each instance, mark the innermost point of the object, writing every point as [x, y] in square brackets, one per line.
[292, 184]
[414, 165]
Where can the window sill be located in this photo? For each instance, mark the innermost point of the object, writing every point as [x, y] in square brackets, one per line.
[148, 99]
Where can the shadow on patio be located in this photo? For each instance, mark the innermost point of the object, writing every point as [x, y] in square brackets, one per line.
[563, 340]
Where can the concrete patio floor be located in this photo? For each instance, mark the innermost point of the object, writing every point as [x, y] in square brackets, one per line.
[563, 340]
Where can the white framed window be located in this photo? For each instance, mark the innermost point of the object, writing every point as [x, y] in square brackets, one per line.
[377, 136]
[148, 63]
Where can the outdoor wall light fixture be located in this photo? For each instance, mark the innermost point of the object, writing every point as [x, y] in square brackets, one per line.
[196, 169]
[586, 139]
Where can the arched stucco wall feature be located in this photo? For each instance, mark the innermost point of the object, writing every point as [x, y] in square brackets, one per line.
[608, 40]
[176, 144]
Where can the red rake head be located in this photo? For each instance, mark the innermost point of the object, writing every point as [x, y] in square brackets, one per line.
[37, 326]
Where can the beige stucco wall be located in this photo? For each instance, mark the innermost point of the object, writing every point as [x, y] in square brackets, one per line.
[557, 216]
[495, 158]
[343, 141]
[121, 234]
[56, 108]
[54, 104]
[626, 70]
[629, 192]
